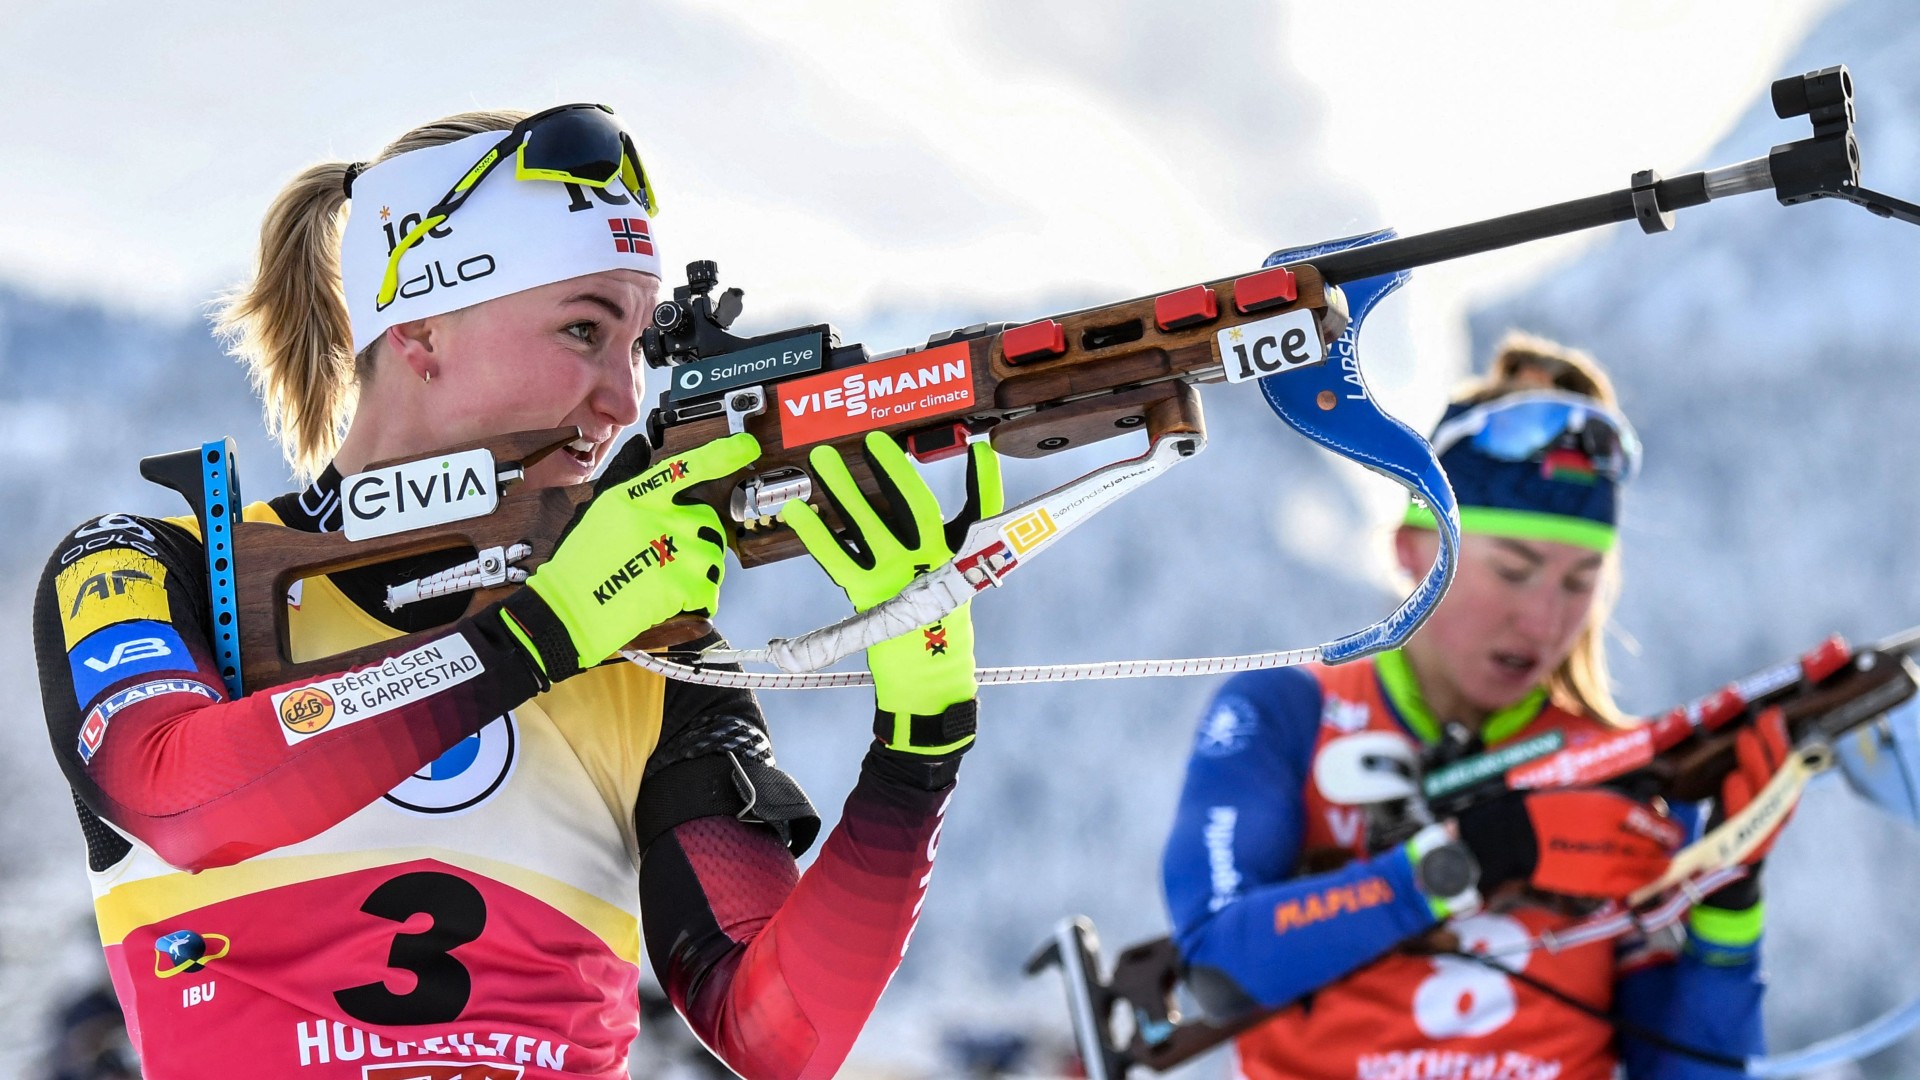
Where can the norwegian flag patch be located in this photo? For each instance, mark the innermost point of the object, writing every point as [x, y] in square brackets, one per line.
[630, 235]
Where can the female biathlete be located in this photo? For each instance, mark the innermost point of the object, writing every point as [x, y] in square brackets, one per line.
[443, 864]
[1278, 898]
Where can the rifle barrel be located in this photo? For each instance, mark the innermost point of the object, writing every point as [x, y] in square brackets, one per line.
[1510, 230]
[1905, 641]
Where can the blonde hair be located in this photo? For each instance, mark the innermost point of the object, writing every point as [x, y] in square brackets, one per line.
[1522, 362]
[289, 325]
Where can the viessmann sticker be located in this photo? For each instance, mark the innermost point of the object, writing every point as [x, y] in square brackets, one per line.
[876, 395]
[336, 701]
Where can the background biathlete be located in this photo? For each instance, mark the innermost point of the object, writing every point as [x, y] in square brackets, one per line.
[445, 864]
[1277, 898]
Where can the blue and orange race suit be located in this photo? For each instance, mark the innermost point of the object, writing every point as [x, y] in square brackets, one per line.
[1259, 932]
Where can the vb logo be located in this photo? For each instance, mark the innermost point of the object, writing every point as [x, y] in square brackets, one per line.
[146, 648]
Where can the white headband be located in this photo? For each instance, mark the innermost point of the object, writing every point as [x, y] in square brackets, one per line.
[509, 236]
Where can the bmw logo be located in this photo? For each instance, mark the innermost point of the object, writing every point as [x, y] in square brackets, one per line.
[468, 774]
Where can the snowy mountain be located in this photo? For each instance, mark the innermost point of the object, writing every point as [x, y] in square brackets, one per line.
[1771, 359]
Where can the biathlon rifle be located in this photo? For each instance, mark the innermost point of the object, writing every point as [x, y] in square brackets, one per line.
[1853, 708]
[1031, 389]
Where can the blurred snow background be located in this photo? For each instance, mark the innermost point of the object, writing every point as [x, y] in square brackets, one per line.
[900, 173]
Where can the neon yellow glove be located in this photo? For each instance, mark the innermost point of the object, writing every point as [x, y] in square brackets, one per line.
[634, 556]
[919, 677]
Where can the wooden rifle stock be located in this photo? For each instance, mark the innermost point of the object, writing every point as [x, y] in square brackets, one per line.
[1873, 682]
[1093, 390]
[1117, 371]
[269, 559]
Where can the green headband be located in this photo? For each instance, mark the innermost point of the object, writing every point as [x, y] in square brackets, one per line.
[1522, 525]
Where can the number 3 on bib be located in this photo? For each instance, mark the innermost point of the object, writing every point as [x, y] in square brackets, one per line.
[442, 984]
[1464, 999]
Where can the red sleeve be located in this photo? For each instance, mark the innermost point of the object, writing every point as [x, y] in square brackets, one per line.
[144, 730]
[776, 971]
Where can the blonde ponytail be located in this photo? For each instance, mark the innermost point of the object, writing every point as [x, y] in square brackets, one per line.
[289, 324]
[1529, 362]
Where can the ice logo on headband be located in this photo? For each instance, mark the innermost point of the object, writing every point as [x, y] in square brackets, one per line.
[633, 235]
[471, 268]
[509, 235]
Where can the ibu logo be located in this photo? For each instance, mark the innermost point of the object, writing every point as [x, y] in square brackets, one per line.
[472, 771]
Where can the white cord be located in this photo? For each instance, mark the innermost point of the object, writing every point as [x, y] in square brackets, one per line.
[993, 676]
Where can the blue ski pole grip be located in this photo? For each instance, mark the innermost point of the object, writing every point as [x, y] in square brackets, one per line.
[1357, 429]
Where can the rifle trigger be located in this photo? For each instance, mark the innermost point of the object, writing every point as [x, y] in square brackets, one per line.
[937, 443]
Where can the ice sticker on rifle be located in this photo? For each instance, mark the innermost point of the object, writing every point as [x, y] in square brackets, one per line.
[338, 700]
[1267, 347]
[417, 494]
[875, 395]
[757, 363]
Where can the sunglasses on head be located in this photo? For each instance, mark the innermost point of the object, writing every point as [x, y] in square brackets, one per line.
[576, 144]
[1529, 426]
